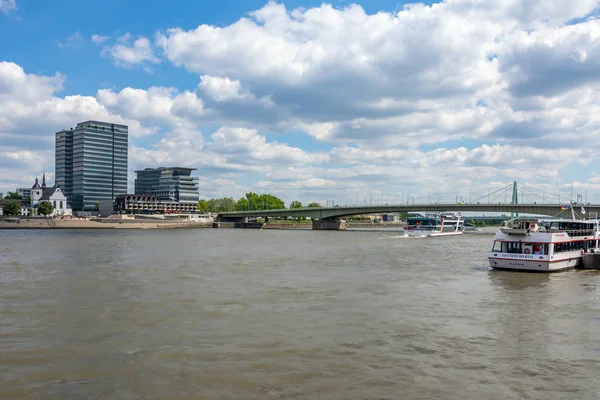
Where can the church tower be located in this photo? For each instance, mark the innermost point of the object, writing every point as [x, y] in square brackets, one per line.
[36, 192]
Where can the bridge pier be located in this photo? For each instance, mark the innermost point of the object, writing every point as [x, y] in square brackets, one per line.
[232, 219]
[328, 225]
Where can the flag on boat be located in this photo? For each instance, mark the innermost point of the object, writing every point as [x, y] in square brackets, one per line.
[563, 207]
[582, 210]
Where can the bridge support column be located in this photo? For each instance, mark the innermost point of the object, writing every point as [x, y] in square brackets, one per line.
[328, 225]
[232, 219]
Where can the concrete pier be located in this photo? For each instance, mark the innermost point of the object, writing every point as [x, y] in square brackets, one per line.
[232, 219]
[239, 225]
[329, 225]
[591, 261]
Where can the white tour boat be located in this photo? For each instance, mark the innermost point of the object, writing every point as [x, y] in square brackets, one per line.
[447, 224]
[530, 244]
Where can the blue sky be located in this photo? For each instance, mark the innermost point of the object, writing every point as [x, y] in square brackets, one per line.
[313, 100]
[41, 25]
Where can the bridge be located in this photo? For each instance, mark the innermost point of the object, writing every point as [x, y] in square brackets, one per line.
[331, 218]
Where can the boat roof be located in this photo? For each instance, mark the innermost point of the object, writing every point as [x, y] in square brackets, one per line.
[542, 219]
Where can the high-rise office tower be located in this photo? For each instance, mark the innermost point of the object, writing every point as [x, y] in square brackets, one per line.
[169, 184]
[91, 163]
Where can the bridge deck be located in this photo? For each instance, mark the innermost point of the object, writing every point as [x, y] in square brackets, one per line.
[340, 212]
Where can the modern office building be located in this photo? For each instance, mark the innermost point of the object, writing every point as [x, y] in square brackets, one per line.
[91, 163]
[174, 184]
[150, 204]
[25, 193]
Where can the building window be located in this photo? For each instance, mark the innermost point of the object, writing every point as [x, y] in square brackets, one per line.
[54, 204]
[61, 204]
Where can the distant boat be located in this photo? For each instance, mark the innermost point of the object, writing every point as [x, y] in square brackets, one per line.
[442, 224]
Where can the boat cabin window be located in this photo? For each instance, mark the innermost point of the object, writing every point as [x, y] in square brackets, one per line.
[423, 222]
[520, 247]
[583, 228]
[574, 246]
[514, 247]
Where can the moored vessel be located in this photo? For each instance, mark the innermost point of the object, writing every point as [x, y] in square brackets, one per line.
[543, 245]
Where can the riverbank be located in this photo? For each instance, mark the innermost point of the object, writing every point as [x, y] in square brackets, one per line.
[350, 225]
[100, 223]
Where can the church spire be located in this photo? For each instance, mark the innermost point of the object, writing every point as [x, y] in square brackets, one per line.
[44, 180]
[36, 185]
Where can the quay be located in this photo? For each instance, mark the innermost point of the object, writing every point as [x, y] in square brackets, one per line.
[99, 223]
[591, 261]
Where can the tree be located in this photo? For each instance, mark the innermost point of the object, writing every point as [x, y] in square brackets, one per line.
[242, 204]
[45, 208]
[254, 201]
[202, 206]
[11, 208]
[227, 204]
[221, 205]
[272, 202]
[314, 205]
[13, 196]
[296, 204]
[96, 207]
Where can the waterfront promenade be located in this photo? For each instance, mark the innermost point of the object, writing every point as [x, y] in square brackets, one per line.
[43, 223]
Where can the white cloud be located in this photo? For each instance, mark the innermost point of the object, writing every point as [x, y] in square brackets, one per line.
[30, 111]
[25, 113]
[126, 55]
[16, 85]
[247, 145]
[552, 60]
[457, 95]
[7, 5]
[99, 39]
[423, 75]
[222, 89]
[71, 41]
[157, 107]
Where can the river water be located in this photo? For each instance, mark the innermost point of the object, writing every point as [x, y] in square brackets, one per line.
[249, 314]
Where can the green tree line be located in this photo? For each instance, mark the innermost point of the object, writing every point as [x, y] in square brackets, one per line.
[251, 202]
[13, 196]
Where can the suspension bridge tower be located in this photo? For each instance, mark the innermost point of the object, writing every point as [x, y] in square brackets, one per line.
[515, 199]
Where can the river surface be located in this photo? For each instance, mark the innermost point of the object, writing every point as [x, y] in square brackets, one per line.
[272, 314]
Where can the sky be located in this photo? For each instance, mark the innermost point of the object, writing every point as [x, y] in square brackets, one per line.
[348, 102]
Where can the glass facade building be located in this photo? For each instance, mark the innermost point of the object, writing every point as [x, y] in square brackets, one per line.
[91, 163]
[174, 184]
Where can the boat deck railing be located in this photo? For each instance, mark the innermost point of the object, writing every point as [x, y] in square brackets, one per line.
[570, 232]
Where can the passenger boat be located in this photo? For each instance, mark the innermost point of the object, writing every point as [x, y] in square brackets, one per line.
[420, 222]
[443, 224]
[531, 244]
